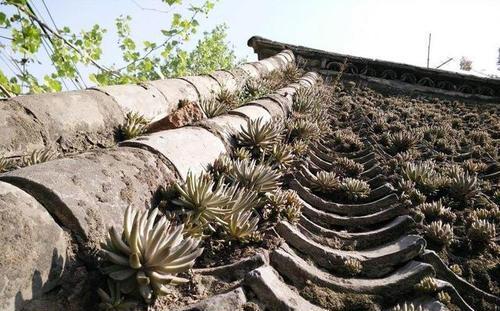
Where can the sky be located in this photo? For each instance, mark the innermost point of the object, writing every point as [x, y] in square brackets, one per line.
[393, 30]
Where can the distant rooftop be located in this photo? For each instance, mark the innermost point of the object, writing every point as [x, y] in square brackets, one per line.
[389, 74]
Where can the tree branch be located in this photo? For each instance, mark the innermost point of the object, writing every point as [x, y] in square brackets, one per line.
[155, 48]
[56, 34]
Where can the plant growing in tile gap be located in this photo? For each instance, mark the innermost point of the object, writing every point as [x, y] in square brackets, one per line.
[281, 156]
[353, 266]
[348, 167]
[481, 232]
[427, 285]
[135, 125]
[258, 177]
[408, 307]
[259, 136]
[5, 164]
[439, 233]
[148, 254]
[444, 297]
[206, 201]
[39, 156]
[212, 108]
[355, 189]
[325, 182]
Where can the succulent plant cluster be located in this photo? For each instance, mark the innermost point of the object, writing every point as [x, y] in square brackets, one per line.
[408, 307]
[428, 285]
[443, 159]
[341, 189]
[352, 266]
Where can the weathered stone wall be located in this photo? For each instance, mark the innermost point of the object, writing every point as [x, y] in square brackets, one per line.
[56, 213]
[80, 120]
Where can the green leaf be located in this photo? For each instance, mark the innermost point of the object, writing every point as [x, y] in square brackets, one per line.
[52, 84]
[172, 2]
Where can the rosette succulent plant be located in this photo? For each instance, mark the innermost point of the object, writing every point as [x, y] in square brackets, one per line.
[408, 307]
[5, 164]
[325, 182]
[403, 141]
[258, 177]
[242, 154]
[242, 225]
[439, 233]
[303, 129]
[481, 232]
[462, 185]
[228, 99]
[435, 210]
[348, 166]
[428, 285]
[259, 136]
[39, 156]
[212, 108]
[135, 125]
[303, 100]
[353, 266]
[281, 156]
[205, 200]
[355, 189]
[148, 254]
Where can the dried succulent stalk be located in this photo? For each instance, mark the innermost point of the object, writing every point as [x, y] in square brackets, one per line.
[148, 253]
